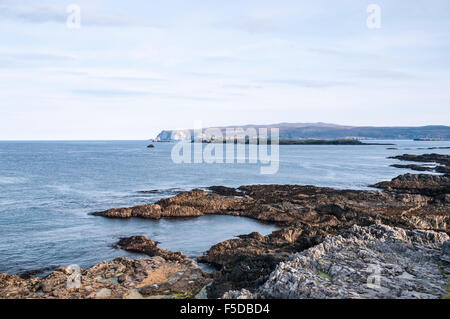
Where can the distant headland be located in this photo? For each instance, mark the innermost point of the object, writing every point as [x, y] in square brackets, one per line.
[326, 131]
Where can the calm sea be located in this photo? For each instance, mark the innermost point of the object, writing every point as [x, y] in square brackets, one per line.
[47, 190]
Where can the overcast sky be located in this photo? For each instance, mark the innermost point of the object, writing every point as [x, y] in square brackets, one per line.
[137, 67]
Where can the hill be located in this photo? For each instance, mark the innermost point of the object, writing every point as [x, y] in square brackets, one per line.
[328, 131]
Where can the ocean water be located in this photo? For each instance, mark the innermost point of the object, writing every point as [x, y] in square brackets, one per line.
[47, 190]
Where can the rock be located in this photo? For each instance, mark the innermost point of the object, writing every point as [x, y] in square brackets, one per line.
[144, 211]
[445, 253]
[305, 214]
[442, 159]
[119, 278]
[103, 293]
[407, 195]
[423, 184]
[226, 191]
[141, 244]
[31, 273]
[425, 158]
[238, 294]
[364, 262]
[415, 167]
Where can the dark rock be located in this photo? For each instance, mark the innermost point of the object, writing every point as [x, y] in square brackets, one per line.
[36, 272]
[414, 167]
[424, 184]
[225, 191]
[143, 245]
[305, 214]
[442, 159]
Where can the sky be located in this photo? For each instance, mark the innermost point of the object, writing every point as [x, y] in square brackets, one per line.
[134, 68]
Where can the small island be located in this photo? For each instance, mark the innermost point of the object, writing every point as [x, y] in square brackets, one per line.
[290, 141]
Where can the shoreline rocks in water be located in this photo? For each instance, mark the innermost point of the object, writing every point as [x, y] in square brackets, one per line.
[143, 245]
[164, 275]
[443, 160]
[422, 184]
[363, 262]
[411, 210]
[306, 215]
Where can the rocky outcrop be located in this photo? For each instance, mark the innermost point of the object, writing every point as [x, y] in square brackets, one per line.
[238, 294]
[143, 211]
[423, 184]
[310, 220]
[407, 195]
[305, 214]
[143, 245]
[443, 160]
[154, 277]
[415, 167]
[364, 262]
[246, 262]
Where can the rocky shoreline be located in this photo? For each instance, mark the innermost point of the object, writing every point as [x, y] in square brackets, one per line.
[442, 162]
[320, 228]
[374, 262]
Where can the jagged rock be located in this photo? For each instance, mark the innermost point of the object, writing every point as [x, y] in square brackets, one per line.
[445, 253]
[141, 244]
[423, 184]
[425, 158]
[414, 167]
[364, 262]
[119, 278]
[149, 211]
[238, 294]
[306, 215]
[406, 195]
[442, 159]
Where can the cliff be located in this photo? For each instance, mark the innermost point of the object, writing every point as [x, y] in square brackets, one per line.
[331, 131]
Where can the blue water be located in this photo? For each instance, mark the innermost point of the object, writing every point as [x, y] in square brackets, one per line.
[47, 190]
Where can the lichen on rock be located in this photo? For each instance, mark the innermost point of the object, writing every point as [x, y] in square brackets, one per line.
[365, 262]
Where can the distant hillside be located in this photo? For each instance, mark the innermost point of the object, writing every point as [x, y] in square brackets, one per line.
[333, 131]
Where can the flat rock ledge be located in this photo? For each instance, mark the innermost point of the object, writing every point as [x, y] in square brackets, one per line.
[166, 275]
[443, 160]
[378, 261]
[143, 245]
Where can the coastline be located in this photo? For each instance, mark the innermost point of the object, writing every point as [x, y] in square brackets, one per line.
[307, 216]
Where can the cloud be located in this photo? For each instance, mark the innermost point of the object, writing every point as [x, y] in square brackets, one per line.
[31, 59]
[343, 53]
[383, 74]
[109, 93]
[33, 14]
[23, 57]
[251, 25]
[193, 98]
[37, 14]
[309, 83]
[242, 86]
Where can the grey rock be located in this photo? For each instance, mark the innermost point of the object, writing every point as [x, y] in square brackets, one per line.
[238, 294]
[364, 262]
[445, 253]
